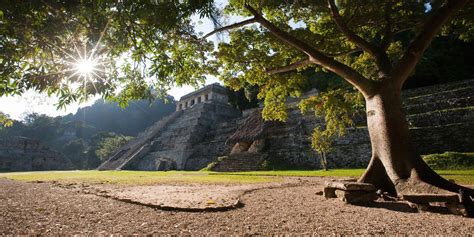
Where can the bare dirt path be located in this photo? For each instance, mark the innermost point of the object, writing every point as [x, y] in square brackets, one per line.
[45, 208]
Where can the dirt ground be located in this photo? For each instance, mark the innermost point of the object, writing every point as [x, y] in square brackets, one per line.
[297, 208]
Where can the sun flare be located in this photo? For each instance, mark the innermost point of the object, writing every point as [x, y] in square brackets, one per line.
[85, 67]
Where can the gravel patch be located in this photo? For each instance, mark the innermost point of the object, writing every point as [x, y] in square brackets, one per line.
[46, 208]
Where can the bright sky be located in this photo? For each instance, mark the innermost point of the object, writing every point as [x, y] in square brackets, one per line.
[18, 106]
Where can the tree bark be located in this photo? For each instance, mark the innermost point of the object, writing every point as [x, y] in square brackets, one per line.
[324, 161]
[395, 166]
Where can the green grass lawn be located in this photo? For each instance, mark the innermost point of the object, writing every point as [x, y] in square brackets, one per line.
[160, 177]
[302, 173]
[136, 177]
[459, 176]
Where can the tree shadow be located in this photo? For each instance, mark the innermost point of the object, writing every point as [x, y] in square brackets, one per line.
[405, 207]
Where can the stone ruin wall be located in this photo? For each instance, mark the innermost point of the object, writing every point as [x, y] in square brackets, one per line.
[441, 119]
[25, 154]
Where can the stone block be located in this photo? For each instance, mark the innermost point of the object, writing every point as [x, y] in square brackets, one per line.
[329, 192]
[355, 197]
[257, 146]
[351, 186]
[240, 147]
[426, 198]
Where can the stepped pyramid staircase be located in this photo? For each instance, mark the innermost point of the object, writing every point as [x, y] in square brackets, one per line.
[138, 146]
[172, 141]
[248, 145]
[246, 161]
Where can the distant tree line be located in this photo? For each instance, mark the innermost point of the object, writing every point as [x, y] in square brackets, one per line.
[94, 132]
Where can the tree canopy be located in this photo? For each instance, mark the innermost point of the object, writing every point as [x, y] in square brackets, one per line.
[142, 44]
[134, 45]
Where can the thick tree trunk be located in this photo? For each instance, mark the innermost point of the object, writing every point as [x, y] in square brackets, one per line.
[395, 166]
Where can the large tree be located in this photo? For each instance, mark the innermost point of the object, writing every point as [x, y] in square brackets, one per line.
[141, 43]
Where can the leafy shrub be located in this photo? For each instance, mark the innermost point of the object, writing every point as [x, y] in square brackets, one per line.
[450, 160]
[109, 145]
[211, 165]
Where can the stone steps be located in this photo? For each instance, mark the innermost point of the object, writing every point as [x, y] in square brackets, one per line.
[441, 117]
[128, 152]
[442, 104]
[184, 141]
[240, 162]
[212, 146]
[444, 138]
[420, 92]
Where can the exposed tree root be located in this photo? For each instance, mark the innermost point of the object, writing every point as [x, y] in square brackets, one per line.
[421, 180]
[375, 174]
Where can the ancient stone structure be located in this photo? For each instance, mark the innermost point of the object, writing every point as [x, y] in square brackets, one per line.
[26, 154]
[208, 94]
[441, 119]
[248, 145]
[180, 141]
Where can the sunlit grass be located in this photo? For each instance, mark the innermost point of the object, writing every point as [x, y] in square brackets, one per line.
[198, 177]
[136, 177]
[303, 173]
[459, 176]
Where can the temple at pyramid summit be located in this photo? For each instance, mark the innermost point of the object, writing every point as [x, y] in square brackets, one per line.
[206, 131]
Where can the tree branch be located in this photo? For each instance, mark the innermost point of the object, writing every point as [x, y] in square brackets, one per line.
[415, 50]
[229, 27]
[381, 58]
[350, 51]
[289, 68]
[363, 84]
[388, 35]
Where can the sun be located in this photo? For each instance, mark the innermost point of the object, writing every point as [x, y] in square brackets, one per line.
[85, 67]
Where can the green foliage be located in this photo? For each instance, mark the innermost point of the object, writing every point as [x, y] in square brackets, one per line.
[152, 44]
[110, 145]
[209, 167]
[253, 51]
[5, 120]
[444, 61]
[74, 147]
[128, 121]
[338, 108]
[450, 160]
[75, 151]
[42, 128]
[137, 45]
[245, 98]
